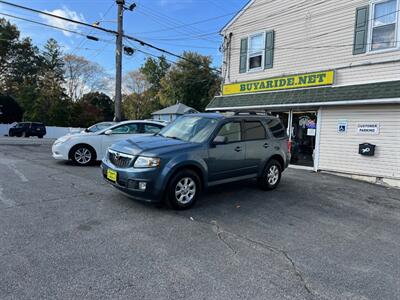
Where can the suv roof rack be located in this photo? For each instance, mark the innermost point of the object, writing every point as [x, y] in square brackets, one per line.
[250, 112]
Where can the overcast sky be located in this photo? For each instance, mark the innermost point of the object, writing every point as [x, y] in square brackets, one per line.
[160, 22]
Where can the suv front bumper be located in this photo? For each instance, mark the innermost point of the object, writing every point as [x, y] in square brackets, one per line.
[128, 181]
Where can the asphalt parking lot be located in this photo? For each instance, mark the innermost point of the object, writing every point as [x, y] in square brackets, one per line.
[66, 234]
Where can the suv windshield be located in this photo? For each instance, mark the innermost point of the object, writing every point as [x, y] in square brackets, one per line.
[190, 129]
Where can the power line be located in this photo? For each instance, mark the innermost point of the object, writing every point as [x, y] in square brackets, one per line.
[312, 37]
[204, 20]
[180, 37]
[58, 17]
[83, 41]
[141, 42]
[48, 25]
[164, 19]
[285, 11]
[215, 4]
[291, 21]
[150, 54]
[181, 57]
[280, 14]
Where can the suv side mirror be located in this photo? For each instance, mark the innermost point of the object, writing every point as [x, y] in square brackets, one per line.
[108, 132]
[220, 140]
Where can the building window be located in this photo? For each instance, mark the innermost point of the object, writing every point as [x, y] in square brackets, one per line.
[256, 52]
[384, 25]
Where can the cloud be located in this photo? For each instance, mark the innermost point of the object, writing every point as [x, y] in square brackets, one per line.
[66, 13]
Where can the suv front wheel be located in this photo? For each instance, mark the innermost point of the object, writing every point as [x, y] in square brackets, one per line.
[183, 190]
[271, 176]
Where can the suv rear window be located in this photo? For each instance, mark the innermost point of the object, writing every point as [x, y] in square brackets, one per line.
[254, 130]
[276, 127]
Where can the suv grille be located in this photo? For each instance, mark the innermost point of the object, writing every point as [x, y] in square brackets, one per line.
[120, 160]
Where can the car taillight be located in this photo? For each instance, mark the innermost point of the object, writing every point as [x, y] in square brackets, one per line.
[289, 146]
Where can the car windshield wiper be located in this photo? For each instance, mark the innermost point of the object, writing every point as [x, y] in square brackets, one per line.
[174, 137]
[170, 137]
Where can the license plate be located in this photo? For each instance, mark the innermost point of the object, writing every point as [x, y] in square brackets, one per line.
[111, 175]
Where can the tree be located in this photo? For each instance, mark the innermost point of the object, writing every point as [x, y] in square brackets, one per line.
[84, 114]
[53, 63]
[138, 103]
[10, 111]
[155, 70]
[135, 82]
[52, 105]
[191, 81]
[20, 63]
[9, 36]
[90, 109]
[102, 102]
[82, 76]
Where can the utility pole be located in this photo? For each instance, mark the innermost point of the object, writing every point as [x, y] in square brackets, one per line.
[118, 62]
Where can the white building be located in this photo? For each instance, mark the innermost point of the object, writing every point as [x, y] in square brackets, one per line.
[170, 113]
[330, 70]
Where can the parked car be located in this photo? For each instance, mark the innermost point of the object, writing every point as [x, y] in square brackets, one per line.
[99, 126]
[161, 121]
[27, 129]
[87, 147]
[197, 151]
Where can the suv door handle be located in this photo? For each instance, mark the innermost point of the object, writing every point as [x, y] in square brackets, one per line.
[238, 149]
[266, 145]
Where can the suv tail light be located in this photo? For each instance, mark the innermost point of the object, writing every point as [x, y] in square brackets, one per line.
[289, 146]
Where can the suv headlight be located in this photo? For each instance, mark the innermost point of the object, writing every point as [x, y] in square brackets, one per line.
[147, 162]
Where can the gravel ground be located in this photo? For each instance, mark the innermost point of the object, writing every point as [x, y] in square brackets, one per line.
[66, 234]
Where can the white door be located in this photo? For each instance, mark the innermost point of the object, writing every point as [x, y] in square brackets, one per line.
[118, 133]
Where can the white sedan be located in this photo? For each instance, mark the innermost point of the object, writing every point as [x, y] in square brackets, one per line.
[86, 147]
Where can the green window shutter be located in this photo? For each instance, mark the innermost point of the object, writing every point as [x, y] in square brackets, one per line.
[243, 56]
[269, 49]
[361, 30]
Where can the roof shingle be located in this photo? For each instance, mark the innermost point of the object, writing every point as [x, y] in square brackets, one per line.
[381, 90]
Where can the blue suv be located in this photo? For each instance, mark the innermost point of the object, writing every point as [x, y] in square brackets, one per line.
[197, 151]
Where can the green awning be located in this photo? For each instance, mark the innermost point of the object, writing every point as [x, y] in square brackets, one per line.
[319, 96]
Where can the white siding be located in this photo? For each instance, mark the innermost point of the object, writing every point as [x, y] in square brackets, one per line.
[297, 41]
[339, 152]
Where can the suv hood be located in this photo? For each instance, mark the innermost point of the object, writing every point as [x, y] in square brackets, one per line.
[154, 145]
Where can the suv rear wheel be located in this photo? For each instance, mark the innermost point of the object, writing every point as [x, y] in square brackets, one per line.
[271, 176]
[183, 190]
